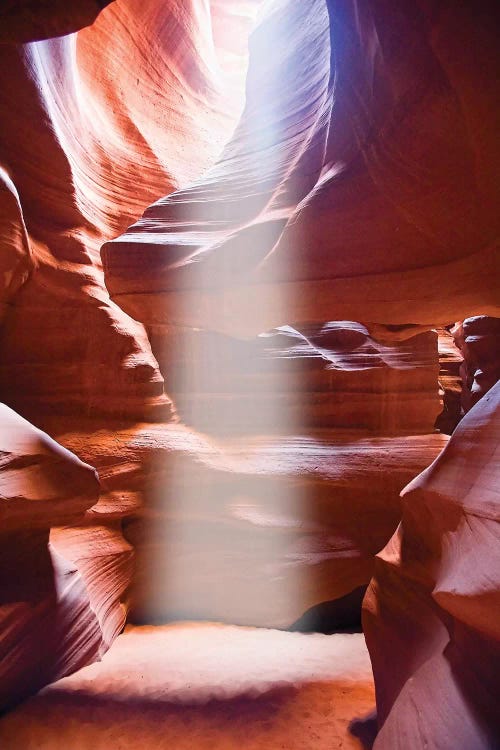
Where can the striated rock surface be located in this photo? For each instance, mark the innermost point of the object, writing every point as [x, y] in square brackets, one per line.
[250, 530]
[47, 625]
[360, 183]
[95, 132]
[15, 258]
[432, 611]
[41, 482]
[65, 346]
[334, 376]
[105, 562]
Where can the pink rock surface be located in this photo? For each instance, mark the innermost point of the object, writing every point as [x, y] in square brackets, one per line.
[360, 183]
[104, 561]
[432, 611]
[41, 483]
[95, 133]
[46, 363]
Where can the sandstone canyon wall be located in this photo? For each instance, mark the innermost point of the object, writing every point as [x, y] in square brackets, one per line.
[432, 610]
[93, 132]
[252, 365]
[364, 189]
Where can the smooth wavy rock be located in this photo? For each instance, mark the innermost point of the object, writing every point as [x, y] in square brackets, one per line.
[47, 626]
[249, 530]
[104, 560]
[361, 182]
[65, 345]
[41, 483]
[334, 376]
[100, 123]
[432, 610]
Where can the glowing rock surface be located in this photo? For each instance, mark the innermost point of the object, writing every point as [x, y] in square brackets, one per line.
[432, 611]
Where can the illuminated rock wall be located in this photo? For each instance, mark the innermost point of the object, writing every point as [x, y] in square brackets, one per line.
[360, 183]
[432, 609]
[48, 627]
[95, 125]
[290, 249]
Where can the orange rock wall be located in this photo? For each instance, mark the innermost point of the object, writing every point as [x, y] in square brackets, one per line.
[284, 270]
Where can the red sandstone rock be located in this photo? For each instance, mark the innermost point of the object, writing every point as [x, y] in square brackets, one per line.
[94, 133]
[104, 561]
[15, 260]
[478, 339]
[360, 182]
[336, 377]
[450, 382]
[245, 530]
[432, 610]
[47, 626]
[41, 483]
[61, 336]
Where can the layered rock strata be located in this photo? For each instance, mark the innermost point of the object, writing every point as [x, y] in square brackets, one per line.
[450, 381]
[359, 184]
[334, 376]
[95, 132]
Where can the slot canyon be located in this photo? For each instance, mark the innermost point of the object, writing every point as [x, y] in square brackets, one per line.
[249, 364]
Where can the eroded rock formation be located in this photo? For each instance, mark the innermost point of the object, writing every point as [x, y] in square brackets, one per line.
[331, 376]
[432, 610]
[47, 625]
[478, 339]
[84, 148]
[258, 529]
[251, 436]
[94, 133]
[362, 189]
